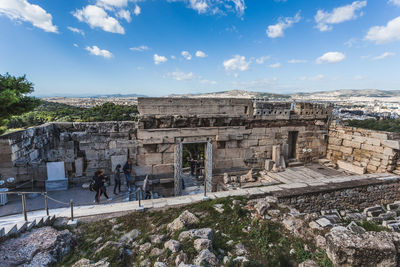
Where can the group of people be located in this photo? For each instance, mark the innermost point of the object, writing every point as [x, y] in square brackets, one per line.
[99, 181]
[195, 167]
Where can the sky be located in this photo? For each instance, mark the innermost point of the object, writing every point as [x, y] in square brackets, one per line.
[160, 47]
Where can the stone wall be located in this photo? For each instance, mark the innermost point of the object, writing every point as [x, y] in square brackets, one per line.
[361, 150]
[352, 195]
[84, 147]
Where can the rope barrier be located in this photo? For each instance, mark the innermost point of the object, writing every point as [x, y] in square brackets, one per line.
[58, 201]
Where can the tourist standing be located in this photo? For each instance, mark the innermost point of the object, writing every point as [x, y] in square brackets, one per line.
[117, 179]
[147, 194]
[192, 166]
[100, 179]
[127, 171]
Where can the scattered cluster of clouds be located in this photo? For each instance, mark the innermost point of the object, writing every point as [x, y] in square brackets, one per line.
[394, 2]
[275, 65]
[188, 76]
[94, 50]
[22, 10]
[159, 59]
[261, 60]
[213, 7]
[278, 30]
[139, 48]
[325, 19]
[76, 30]
[297, 61]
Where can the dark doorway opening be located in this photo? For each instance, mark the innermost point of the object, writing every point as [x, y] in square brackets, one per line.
[292, 142]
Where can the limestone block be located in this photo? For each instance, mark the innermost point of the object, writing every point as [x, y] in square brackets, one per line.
[219, 153]
[115, 151]
[248, 143]
[380, 136]
[394, 144]
[142, 170]
[352, 144]
[167, 158]
[165, 148]
[374, 163]
[234, 153]
[369, 147]
[265, 142]
[94, 154]
[268, 164]
[258, 131]
[149, 159]
[388, 151]
[238, 163]
[371, 168]
[350, 167]
[373, 141]
[335, 141]
[346, 150]
[115, 160]
[78, 167]
[334, 147]
[360, 139]
[163, 169]
[231, 144]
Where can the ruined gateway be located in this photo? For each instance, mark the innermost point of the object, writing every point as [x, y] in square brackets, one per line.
[239, 135]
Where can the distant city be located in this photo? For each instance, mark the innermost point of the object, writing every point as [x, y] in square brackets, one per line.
[349, 104]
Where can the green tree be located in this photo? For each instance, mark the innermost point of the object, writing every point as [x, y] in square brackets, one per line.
[14, 99]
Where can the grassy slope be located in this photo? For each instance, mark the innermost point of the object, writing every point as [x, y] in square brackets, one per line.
[267, 242]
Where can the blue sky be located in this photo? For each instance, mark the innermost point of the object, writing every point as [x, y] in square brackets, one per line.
[88, 47]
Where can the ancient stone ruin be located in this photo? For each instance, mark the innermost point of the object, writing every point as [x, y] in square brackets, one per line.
[238, 134]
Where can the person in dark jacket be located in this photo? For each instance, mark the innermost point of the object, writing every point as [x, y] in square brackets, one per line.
[127, 171]
[117, 179]
[99, 186]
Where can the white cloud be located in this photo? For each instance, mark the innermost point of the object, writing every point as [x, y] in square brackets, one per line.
[239, 6]
[159, 59]
[237, 63]
[137, 10]
[341, 14]
[349, 43]
[275, 65]
[181, 76]
[186, 55]
[124, 14]
[319, 77]
[385, 34]
[331, 57]
[296, 61]
[94, 50]
[76, 45]
[261, 60]
[139, 48]
[213, 7]
[208, 81]
[96, 17]
[22, 10]
[278, 30]
[384, 55]
[394, 2]
[112, 3]
[173, 57]
[76, 30]
[200, 54]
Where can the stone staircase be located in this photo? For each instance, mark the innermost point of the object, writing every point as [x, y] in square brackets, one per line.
[18, 228]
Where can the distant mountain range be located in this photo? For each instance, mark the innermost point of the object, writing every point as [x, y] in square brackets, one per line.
[250, 94]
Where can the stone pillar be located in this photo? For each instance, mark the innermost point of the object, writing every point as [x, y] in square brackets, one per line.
[276, 155]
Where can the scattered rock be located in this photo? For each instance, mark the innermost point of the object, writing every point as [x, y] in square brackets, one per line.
[157, 239]
[315, 225]
[159, 264]
[39, 247]
[145, 248]
[206, 258]
[199, 233]
[181, 258]
[240, 250]
[293, 225]
[240, 259]
[345, 248]
[108, 244]
[271, 199]
[98, 240]
[308, 263]
[219, 208]
[130, 236]
[116, 228]
[156, 252]
[248, 177]
[262, 207]
[87, 263]
[320, 241]
[145, 263]
[172, 245]
[356, 228]
[202, 243]
[227, 179]
[324, 222]
[185, 219]
[274, 213]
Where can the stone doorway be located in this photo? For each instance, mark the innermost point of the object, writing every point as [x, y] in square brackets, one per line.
[292, 142]
[183, 152]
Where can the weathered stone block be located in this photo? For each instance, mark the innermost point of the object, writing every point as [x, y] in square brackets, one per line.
[149, 159]
[350, 167]
[346, 150]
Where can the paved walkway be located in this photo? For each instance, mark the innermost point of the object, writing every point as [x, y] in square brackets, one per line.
[92, 210]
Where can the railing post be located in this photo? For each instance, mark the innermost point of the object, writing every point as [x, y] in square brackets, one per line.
[71, 203]
[24, 207]
[139, 196]
[205, 186]
[46, 203]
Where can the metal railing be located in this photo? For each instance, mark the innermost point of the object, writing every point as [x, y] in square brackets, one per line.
[46, 202]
